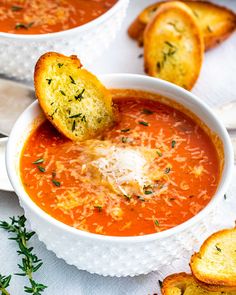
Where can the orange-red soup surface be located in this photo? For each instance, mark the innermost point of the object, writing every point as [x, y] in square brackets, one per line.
[155, 169]
[48, 16]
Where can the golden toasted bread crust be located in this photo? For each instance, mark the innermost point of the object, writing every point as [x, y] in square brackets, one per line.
[173, 51]
[215, 263]
[182, 283]
[216, 22]
[72, 98]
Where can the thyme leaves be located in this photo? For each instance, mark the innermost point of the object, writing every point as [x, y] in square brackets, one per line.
[30, 263]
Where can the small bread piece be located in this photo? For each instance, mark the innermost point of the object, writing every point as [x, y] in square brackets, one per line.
[215, 263]
[184, 284]
[173, 45]
[72, 98]
[216, 22]
[136, 29]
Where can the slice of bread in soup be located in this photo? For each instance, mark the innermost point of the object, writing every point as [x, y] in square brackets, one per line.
[216, 22]
[215, 263]
[185, 284]
[173, 45]
[72, 98]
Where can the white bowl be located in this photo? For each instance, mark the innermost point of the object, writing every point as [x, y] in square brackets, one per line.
[19, 53]
[119, 256]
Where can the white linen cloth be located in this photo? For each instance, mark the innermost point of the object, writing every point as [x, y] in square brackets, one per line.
[216, 85]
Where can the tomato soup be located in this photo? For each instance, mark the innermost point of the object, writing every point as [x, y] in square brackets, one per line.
[48, 16]
[154, 169]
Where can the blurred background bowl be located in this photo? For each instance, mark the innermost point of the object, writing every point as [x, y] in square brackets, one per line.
[19, 53]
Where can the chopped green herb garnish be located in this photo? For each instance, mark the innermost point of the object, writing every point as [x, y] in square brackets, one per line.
[156, 222]
[60, 65]
[62, 92]
[169, 44]
[39, 161]
[98, 207]
[41, 169]
[148, 192]
[173, 144]
[218, 249]
[143, 123]
[158, 66]
[125, 130]
[73, 126]
[57, 183]
[23, 26]
[72, 80]
[209, 29]
[225, 196]
[49, 81]
[195, 13]
[80, 95]
[167, 170]
[75, 116]
[124, 139]
[141, 198]
[127, 197]
[16, 8]
[147, 112]
[159, 153]
[83, 119]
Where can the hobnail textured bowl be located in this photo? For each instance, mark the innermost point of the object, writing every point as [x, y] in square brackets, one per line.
[119, 256]
[19, 53]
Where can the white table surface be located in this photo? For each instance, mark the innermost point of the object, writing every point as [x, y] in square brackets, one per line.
[216, 85]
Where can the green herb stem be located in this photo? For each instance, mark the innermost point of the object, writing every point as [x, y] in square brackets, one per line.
[30, 263]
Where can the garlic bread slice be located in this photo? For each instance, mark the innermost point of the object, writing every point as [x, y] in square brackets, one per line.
[72, 98]
[173, 45]
[185, 284]
[216, 22]
[215, 263]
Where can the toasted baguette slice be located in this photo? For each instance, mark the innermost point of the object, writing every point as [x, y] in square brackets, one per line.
[215, 263]
[184, 284]
[173, 45]
[72, 98]
[216, 22]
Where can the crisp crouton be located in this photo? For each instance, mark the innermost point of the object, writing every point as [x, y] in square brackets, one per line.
[173, 45]
[216, 22]
[185, 284]
[215, 263]
[72, 98]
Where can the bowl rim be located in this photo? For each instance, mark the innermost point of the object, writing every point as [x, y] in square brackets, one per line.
[75, 30]
[222, 186]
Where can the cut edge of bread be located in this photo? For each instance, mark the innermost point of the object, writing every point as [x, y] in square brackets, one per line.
[198, 258]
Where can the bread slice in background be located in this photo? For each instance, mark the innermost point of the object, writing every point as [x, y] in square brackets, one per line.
[216, 22]
[173, 45]
[185, 284]
[215, 263]
[72, 98]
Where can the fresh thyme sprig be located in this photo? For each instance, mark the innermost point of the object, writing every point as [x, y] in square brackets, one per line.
[30, 263]
[4, 283]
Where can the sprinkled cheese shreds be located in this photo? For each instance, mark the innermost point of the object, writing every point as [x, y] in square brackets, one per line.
[148, 183]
